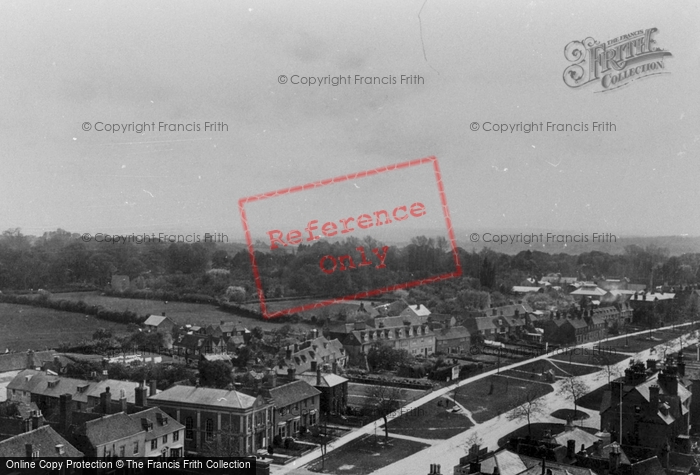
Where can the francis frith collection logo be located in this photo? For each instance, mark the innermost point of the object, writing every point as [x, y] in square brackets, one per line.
[615, 63]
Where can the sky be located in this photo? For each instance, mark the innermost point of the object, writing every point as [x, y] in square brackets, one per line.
[71, 66]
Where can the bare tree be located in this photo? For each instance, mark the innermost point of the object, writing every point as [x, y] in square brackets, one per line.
[532, 406]
[382, 401]
[609, 368]
[572, 388]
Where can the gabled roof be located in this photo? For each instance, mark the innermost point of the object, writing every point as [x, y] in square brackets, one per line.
[525, 289]
[44, 440]
[417, 310]
[161, 423]
[155, 320]
[38, 382]
[111, 428]
[205, 397]
[328, 380]
[508, 463]
[589, 290]
[19, 361]
[292, 393]
[580, 436]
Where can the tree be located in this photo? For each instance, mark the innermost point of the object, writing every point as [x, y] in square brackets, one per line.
[381, 356]
[609, 367]
[572, 388]
[382, 401]
[532, 407]
[215, 374]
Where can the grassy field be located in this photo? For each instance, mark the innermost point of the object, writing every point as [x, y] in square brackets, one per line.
[592, 357]
[366, 455]
[507, 393]
[358, 395]
[561, 369]
[431, 421]
[181, 312]
[566, 413]
[23, 327]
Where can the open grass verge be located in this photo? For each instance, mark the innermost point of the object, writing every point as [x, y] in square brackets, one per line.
[495, 395]
[366, 455]
[431, 421]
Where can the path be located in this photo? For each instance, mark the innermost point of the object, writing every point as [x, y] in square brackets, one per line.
[447, 452]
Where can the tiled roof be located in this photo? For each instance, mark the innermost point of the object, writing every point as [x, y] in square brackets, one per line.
[111, 428]
[419, 310]
[589, 291]
[44, 440]
[155, 320]
[38, 382]
[581, 437]
[161, 422]
[328, 380]
[292, 393]
[18, 361]
[205, 397]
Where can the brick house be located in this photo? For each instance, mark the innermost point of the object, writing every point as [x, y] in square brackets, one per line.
[165, 437]
[218, 417]
[452, 340]
[297, 405]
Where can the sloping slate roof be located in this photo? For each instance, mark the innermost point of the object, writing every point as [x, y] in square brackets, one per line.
[158, 429]
[328, 380]
[420, 310]
[155, 320]
[589, 290]
[18, 361]
[508, 463]
[115, 386]
[205, 397]
[111, 428]
[44, 440]
[292, 393]
[580, 436]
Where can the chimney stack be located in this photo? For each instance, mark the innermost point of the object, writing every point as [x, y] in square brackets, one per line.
[653, 399]
[291, 374]
[37, 419]
[106, 401]
[141, 394]
[318, 377]
[152, 387]
[65, 407]
[614, 457]
[314, 365]
[570, 450]
[122, 400]
[335, 367]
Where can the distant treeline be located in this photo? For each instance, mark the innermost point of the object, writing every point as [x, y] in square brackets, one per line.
[202, 272]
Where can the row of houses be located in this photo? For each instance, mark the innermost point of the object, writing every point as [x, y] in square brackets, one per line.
[140, 421]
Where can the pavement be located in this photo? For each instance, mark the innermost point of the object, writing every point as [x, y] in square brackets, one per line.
[448, 452]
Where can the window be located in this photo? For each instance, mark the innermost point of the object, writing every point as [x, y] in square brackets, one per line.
[189, 425]
[165, 439]
[176, 436]
[281, 412]
[122, 451]
[306, 402]
[312, 419]
[136, 447]
[108, 453]
[296, 407]
[154, 444]
[209, 429]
